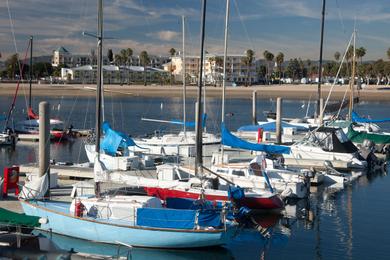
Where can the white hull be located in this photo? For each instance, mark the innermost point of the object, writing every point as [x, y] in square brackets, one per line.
[180, 144]
[302, 151]
[288, 183]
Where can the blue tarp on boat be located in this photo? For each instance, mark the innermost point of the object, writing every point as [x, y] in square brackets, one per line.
[176, 218]
[356, 118]
[233, 141]
[113, 140]
[270, 127]
[190, 124]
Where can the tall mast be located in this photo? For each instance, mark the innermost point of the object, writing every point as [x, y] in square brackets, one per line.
[199, 135]
[224, 68]
[183, 19]
[99, 88]
[320, 63]
[30, 72]
[99, 77]
[352, 83]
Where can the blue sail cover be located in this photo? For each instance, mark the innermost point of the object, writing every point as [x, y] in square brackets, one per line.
[356, 118]
[270, 127]
[233, 141]
[190, 124]
[176, 218]
[113, 140]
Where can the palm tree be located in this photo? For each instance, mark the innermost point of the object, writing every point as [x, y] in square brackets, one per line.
[172, 51]
[247, 61]
[388, 53]
[279, 62]
[124, 56]
[129, 54]
[144, 60]
[360, 52]
[269, 57]
[337, 56]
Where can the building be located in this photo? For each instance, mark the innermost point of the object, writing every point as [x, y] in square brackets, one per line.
[236, 71]
[61, 56]
[115, 75]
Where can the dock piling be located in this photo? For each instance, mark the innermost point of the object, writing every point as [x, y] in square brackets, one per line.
[44, 141]
[279, 120]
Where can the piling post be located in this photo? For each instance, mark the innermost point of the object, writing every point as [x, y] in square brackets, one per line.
[321, 115]
[44, 141]
[278, 120]
[254, 98]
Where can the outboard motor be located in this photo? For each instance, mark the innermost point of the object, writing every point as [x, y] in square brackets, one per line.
[367, 152]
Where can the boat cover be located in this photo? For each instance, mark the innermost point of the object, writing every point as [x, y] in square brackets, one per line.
[13, 218]
[230, 140]
[270, 127]
[359, 137]
[358, 119]
[190, 124]
[177, 218]
[332, 140]
[114, 139]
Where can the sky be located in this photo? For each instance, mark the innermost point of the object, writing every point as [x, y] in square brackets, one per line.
[288, 26]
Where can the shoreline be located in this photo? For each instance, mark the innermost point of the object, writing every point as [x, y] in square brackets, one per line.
[286, 91]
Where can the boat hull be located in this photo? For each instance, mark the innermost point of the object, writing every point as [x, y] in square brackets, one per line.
[106, 232]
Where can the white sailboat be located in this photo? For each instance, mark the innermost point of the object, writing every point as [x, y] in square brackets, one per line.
[183, 143]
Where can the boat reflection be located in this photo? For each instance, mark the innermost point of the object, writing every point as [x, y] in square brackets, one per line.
[109, 250]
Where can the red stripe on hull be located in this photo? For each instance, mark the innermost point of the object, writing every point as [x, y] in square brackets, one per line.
[257, 203]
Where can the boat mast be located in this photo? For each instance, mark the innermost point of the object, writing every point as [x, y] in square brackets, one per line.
[352, 83]
[224, 69]
[199, 155]
[99, 84]
[30, 72]
[320, 61]
[183, 19]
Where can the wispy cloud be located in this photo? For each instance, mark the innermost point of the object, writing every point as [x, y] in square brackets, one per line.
[165, 35]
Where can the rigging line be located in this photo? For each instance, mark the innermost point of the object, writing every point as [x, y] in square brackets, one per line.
[17, 88]
[340, 17]
[243, 24]
[84, 127]
[336, 78]
[16, 49]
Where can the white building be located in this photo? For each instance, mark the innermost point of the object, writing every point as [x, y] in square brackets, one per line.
[236, 71]
[115, 75]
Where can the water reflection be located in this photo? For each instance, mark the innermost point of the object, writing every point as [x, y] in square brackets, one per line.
[108, 250]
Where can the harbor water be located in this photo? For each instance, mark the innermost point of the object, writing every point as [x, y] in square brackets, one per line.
[332, 224]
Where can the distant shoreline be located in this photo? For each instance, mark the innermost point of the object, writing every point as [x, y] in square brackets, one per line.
[286, 91]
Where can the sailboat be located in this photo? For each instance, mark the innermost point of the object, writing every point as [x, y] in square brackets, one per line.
[183, 143]
[31, 124]
[131, 220]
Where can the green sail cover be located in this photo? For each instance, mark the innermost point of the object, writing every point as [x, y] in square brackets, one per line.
[13, 218]
[359, 137]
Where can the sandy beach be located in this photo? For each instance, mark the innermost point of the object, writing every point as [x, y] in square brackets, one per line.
[287, 91]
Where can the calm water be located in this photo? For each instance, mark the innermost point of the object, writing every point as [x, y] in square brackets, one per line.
[347, 224]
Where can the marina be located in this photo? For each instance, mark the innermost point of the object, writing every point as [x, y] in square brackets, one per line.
[318, 215]
[124, 174]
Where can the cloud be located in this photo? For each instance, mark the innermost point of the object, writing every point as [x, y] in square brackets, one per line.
[165, 35]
